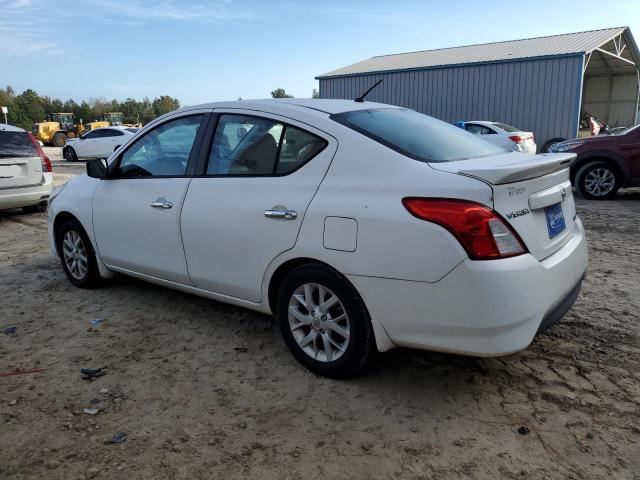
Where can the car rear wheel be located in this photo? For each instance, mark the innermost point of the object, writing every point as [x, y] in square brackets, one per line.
[324, 321]
[59, 139]
[598, 180]
[77, 255]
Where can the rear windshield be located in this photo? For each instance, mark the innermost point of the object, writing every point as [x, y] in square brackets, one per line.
[16, 144]
[506, 128]
[418, 136]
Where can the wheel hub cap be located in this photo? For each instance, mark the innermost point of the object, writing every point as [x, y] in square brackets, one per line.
[599, 181]
[75, 255]
[319, 322]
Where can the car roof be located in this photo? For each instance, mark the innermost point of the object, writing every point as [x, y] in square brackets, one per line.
[481, 122]
[10, 128]
[114, 127]
[275, 105]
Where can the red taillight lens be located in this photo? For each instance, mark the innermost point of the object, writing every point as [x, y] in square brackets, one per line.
[516, 139]
[46, 163]
[480, 230]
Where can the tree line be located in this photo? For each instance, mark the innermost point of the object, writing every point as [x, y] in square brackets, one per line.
[29, 108]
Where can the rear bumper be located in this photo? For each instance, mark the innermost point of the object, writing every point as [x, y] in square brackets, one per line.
[27, 196]
[481, 308]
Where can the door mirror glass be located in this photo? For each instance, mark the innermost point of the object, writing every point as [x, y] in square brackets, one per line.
[97, 168]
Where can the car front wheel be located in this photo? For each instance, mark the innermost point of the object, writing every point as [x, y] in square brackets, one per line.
[77, 255]
[69, 154]
[324, 321]
[598, 180]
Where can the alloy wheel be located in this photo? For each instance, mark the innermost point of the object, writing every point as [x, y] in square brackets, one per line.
[75, 254]
[319, 322]
[599, 181]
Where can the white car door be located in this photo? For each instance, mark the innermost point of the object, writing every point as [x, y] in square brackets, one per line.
[85, 147]
[247, 208]
[108, 139]
[136, 211]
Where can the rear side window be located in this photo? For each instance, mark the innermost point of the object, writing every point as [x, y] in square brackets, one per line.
[506, 128]
[478, 129]
[16, 144]
[417, 136]
[111, 133]
[248, 145]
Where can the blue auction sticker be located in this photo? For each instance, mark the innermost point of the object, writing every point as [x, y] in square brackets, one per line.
[555, 219]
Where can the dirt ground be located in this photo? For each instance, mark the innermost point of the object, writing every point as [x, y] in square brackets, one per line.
[207, 390]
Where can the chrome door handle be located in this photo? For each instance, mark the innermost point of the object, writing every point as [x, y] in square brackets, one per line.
[283, 214]
[161, 203]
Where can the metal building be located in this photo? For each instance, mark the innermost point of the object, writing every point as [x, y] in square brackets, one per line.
[536, 84]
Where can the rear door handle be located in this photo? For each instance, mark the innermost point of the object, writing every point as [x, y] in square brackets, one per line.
[161, 203]
[282, 214]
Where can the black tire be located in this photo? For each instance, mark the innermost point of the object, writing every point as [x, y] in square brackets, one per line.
[598, 168]
[41, 207]
[59, 139]
[92, 277]
[69, 154]
[547, 146]
[361, 342]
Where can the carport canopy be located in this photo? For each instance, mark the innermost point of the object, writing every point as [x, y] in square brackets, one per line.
[611, 83]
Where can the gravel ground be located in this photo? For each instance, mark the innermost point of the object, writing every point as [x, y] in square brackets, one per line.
[207, 390]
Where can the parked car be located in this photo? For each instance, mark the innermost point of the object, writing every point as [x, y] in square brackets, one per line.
[604, 163]
[588, 126]
[361, 226]
[26, 176]
[97, 143]
[503, 135]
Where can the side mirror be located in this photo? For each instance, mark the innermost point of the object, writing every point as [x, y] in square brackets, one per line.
[97, 168]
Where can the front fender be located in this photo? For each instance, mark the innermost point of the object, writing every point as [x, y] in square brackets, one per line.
[593, 155]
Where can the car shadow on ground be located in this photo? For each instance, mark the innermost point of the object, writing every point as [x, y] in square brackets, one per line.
[250, 327]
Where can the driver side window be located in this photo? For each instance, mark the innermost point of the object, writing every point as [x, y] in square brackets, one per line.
[162, 152]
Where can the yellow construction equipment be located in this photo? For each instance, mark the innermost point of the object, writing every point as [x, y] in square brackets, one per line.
[56, 129]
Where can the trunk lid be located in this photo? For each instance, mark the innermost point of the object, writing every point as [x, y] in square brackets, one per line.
[532, 194]
[20, 163]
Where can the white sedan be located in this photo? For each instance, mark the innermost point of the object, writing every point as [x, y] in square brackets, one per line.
[361, 226]
[97, 143]
[503, 135]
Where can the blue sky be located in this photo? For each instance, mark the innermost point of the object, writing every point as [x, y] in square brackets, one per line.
[199, 51]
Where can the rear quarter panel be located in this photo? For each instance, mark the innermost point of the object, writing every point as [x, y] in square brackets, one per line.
[367, 182]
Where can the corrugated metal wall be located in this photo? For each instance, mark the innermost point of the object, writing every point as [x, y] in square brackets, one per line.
[612, 99]
[539, 95]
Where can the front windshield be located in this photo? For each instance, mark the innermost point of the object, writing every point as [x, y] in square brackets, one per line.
[418, 136]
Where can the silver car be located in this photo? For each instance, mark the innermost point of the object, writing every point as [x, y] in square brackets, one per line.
[26, 176]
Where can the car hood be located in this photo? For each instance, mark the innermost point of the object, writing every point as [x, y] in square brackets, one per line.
[583, 140]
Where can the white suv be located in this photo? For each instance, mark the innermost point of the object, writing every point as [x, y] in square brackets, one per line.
[26, 177]
[359, 225]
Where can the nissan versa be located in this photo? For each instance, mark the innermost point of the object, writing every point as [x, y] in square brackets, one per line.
[361, 226]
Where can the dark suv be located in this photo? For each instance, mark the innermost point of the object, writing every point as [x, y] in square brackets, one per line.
[605, 163]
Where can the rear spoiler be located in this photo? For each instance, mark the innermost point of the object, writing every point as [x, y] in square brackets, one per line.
[538, 166]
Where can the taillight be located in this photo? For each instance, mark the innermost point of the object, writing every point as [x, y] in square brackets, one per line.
[482, 232]
[46, 163]
[516, 139]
